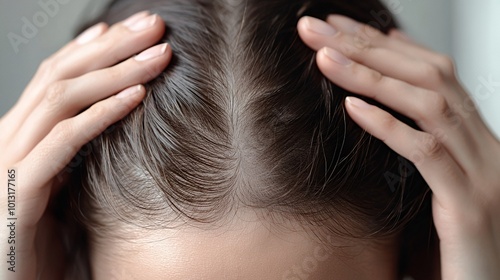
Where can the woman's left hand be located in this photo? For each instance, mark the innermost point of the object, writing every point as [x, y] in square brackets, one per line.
[455, 152]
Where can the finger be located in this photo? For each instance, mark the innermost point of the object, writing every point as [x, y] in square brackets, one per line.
[438, 168]
[67, 98]
[31, 94]
[90, 34]
[397, 34]
[120, 42]
[55, 151]
[103, 50]
[93, 33]
[428, 109]
[98, 48]
[363, 80]
[375, 37]
[318, 34]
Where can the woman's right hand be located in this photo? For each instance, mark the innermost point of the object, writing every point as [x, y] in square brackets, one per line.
[50, 123]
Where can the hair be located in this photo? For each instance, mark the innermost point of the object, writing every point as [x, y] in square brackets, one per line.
[242, 117]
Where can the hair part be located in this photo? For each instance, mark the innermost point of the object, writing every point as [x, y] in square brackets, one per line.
[243, 118]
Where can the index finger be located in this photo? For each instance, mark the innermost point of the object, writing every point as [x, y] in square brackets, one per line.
[379, 39]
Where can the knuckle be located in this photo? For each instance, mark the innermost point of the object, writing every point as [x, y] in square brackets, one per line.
[107, 46]
[348, 49]
[431, 147]
[372, 33]
[431, 74]
[371, 29]
[429, 70]
[102, 117]
[98, 111]
[49, 67]
[62, 132]
[360, 43]
[446, 64]
[362, 30]
[437, 107]
[442, 69]
[388, 123]
[55, 94]
[48, 64]
[371, 77]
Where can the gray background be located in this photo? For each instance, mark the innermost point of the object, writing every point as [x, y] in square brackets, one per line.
[466, 30]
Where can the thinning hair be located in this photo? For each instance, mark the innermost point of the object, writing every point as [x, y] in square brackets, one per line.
[243, 117]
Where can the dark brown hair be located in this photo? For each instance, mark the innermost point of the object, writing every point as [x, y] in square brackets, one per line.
[244, 118]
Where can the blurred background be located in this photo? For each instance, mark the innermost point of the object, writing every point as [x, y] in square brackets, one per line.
[466, 30]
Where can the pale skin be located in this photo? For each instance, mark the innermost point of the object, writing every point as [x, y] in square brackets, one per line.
[455, 152]
[247, 247]
[44, 130]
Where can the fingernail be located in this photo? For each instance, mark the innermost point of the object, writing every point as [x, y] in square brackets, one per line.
[129, 92]
[356, 102]
[144, 23]
[134, 18]
[152, 52]
[336, 56]
[90, 34]
[320, 27]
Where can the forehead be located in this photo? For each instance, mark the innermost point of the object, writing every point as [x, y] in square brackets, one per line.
[247, 250]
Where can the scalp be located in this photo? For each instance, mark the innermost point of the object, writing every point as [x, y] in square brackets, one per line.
[243, 118]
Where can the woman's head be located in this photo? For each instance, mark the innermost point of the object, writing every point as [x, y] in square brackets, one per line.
[242, 126]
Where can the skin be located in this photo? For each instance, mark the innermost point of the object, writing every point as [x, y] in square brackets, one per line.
[246, 248]
[47, 127]
[455, 153]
